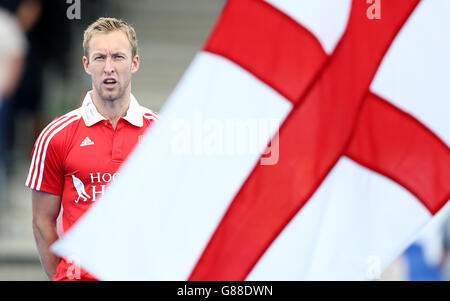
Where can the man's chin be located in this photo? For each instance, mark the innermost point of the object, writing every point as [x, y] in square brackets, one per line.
[110, 95]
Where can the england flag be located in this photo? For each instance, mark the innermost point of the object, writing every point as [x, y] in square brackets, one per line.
[308, 140]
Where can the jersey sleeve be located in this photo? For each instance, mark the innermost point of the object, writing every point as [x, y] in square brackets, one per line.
[46, 169]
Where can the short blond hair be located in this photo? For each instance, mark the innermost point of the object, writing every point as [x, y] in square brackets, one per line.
[106, 25]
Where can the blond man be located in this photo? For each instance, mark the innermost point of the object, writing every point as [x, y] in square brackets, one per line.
[88, 144]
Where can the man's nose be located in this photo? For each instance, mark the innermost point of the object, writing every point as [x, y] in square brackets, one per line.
[109, 66]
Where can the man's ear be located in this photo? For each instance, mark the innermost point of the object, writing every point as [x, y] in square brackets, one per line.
[86, 65]
[135, 64]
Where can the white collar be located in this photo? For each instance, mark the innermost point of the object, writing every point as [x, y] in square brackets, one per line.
[91, 116]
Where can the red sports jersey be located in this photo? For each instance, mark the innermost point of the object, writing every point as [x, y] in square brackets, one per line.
[77, 155]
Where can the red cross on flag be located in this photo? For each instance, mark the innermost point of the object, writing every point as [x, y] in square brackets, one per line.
[355, 104]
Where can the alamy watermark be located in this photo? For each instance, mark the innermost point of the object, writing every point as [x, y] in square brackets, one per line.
[73, 269]
[374, 10]
[226, 137]
[74, 9]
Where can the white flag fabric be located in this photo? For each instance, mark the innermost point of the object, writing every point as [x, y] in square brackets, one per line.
[353, 98]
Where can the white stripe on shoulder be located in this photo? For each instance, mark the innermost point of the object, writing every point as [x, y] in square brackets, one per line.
[30, 182]
[41, 170]
[38, 144]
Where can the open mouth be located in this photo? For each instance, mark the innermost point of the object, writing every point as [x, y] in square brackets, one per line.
[109, 82]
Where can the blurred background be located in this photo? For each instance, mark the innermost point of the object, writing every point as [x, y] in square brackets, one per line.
[42, 77]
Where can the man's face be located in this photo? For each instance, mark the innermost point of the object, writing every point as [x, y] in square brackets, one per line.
[110, 64]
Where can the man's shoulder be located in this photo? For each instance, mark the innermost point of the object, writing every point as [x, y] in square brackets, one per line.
[63, 121]
[59, 126]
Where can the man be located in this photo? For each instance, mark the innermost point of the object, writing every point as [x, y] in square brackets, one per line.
[78, 154]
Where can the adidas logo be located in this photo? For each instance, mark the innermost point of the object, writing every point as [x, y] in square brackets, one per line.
[86, 142]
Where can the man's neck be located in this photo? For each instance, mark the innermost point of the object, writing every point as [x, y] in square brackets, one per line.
[112, 109]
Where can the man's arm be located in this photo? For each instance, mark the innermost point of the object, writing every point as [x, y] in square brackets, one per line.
[46, 208]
